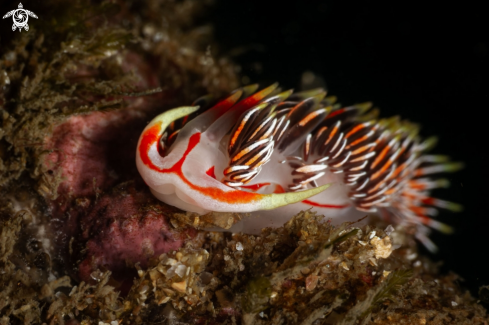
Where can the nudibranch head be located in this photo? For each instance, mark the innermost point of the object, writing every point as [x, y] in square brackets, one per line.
[184, 175]
[255, 151]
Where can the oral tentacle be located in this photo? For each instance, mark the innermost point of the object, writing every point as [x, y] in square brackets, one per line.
[273, 201]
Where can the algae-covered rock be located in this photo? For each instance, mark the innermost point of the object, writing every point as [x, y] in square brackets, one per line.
[82, 241]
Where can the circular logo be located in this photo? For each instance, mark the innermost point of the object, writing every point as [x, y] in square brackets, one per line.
[20, 17]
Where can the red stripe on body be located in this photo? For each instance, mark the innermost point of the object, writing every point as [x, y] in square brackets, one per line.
[337, 112]
[329, 206]
[211, 173]
[151, 137]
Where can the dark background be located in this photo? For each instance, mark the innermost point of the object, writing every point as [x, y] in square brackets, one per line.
[428, 64]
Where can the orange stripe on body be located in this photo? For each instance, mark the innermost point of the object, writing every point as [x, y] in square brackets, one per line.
[399, 169]
[278, 189]
[255, 98]
[383, 169]
[332, 134]
[357, 141]
[151, 136]
[236, 134]
[418, 172]
[390, 191]
[185, 120]
[173, 135]
[321, 131]
[420, 211]
[409, 196]
[309, 117]
[246, 104]
[417, 186]
[355, 130]
[381, 156]
[227, 103]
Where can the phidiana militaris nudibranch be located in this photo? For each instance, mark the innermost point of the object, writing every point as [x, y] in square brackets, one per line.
[275, 153]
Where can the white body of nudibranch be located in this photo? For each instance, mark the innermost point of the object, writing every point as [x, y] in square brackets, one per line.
[276, 153]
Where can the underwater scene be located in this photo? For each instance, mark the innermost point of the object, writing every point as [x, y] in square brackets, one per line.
[243, 162]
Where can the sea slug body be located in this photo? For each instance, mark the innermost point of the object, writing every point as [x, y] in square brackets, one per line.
[274, 153]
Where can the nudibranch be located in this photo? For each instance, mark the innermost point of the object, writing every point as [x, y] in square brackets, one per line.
[274, 153]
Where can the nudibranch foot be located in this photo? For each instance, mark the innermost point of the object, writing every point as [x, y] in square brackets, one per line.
[279, 150]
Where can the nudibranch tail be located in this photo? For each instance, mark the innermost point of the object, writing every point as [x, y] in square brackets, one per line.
[260, 150]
